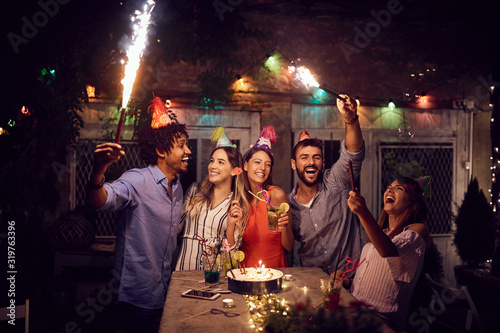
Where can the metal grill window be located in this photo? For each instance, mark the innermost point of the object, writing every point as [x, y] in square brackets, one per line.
[106, 221]
[416, 160]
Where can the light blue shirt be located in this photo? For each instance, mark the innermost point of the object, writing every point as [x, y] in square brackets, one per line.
[146, 234]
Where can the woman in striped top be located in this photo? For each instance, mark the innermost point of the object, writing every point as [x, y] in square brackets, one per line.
[394, 254]
[210, 210]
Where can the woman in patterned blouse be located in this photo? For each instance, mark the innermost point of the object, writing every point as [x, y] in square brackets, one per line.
[208, 211]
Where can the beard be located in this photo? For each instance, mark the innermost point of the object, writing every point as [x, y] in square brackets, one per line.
[309, 183]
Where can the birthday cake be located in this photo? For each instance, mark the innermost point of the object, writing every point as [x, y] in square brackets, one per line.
[255, 281]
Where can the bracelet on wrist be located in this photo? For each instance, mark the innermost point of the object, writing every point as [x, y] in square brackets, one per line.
[354, 120]
[97, 186]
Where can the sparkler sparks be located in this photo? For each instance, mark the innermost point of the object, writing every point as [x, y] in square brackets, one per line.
[303, 74]
[141, 22]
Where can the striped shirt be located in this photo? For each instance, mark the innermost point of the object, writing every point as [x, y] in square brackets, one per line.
[386, 284]
[210, 224]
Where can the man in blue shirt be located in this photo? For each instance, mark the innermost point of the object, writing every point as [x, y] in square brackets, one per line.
[322, 222]
[148, 202]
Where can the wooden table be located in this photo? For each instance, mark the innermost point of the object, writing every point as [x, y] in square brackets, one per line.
[305, 285]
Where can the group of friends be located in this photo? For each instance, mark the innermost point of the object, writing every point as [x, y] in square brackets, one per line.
[327, 216]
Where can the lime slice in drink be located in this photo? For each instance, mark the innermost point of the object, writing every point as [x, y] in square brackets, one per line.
[284, 207]
[272, 214]
[239, 255]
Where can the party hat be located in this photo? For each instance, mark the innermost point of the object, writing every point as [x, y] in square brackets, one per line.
[159, 113]
[266, 138]
[219, 136]
[424, 183]
[303, 136]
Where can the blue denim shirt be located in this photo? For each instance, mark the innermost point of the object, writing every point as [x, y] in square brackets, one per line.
[328, 226]
[146, 234]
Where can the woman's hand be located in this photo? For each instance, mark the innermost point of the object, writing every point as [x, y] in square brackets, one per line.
[357, 203]
[346, 282]
[235, 213]
[283, 221]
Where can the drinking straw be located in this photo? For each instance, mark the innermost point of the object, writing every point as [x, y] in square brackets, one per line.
[194, 315]
[205, 251]
[350, 266]
[226, 246]
[216, 254]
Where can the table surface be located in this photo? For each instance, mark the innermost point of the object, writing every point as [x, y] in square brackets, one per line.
[304, 286]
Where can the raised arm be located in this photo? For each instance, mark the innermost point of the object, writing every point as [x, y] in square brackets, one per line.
[382, 243]
[104, 155]
[353, 135]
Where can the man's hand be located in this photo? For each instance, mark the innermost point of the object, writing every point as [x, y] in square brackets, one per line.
[105, 155]
[348, 109]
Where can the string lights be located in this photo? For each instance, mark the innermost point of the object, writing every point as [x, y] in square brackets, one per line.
[275, 61]
[495, 154]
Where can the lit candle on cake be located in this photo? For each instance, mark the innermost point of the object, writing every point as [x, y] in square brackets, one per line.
[259, 269]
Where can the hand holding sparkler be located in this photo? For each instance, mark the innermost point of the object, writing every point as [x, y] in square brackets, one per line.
[348, 108]
[134, 53]
[106, 154]
[357, 204]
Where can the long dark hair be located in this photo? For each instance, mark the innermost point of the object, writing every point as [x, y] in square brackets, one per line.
[269, 181]
[415, 212]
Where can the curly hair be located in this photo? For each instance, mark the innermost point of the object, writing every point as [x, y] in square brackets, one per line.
[162, 138]
[305, 143]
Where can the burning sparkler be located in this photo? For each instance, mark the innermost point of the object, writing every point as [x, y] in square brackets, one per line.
[141, 22]
[303, 74]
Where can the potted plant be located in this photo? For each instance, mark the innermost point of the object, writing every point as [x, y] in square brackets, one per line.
[474, 235]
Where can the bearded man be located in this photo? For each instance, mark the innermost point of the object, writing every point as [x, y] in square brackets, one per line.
[321, 220]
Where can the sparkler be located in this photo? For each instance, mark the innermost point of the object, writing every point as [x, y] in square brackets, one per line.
[303, 74]
[141, 22]
[351, 175]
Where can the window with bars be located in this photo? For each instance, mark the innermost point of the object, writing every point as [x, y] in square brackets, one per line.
[420, 159]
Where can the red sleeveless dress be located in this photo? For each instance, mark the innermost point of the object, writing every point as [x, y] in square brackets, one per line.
[258, 242]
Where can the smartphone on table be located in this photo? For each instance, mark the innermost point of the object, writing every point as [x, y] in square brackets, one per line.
[201, 294]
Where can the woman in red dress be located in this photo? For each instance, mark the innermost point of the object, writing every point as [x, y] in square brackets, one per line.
[260, 245]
